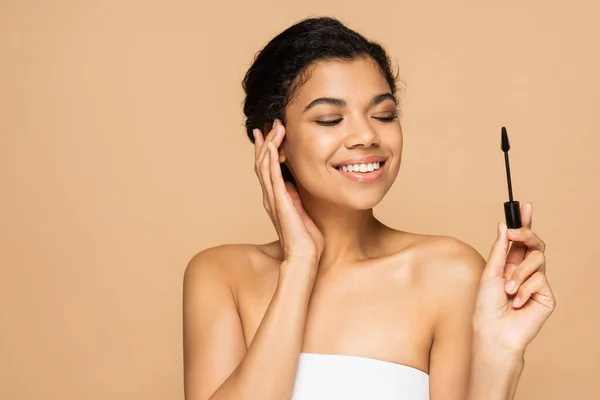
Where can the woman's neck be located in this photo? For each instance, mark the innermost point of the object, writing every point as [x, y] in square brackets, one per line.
[350, 235]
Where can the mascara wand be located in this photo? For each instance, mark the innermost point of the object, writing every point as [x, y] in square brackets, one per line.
[512, 209]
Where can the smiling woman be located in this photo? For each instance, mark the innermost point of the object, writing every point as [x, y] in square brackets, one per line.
[344, 114]
[290, 59]
[341, 305]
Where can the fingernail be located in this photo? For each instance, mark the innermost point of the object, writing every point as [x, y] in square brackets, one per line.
[254, 133]
[510, 286]
[275, 125]
[517, 302]
[501, 227]
[514, 232]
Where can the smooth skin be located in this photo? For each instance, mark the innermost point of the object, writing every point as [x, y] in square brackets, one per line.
[507, 317]
[338, 281]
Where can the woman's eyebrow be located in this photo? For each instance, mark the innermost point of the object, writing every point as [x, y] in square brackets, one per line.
[382, 97]
[342, 103]
[325, 100]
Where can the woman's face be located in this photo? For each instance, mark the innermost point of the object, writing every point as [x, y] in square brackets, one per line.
[344, 115]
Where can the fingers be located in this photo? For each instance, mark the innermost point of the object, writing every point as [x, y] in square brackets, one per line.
[264, 172]
[516, 254]
[297, 201]
[538, 289]
[535, 261]
[275, 135]
[276, 198]
[277, 183]
[526, 214]
[288, 220]
[517, 251]
[522, 242]
[497, 258]
[259, 140]
[262, 164]
[528, 238]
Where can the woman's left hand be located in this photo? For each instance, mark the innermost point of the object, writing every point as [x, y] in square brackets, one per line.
[515, 298]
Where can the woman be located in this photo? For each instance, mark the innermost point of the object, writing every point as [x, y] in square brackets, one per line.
[342, 306]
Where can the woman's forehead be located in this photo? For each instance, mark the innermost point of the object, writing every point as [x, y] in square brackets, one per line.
[350, 80]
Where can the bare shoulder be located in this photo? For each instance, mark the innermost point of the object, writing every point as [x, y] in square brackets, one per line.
[453, 271]
[453, 257]
[229, 263]
[447, 261]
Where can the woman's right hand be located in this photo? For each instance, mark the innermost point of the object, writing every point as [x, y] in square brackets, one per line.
[299, 236]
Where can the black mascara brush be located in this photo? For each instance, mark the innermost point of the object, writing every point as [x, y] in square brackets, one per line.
[512, 209]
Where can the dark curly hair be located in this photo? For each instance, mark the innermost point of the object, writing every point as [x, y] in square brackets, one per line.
[280, 68]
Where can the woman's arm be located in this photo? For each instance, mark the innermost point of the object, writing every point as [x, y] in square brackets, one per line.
[513, 303]
[496, 371]
[217, 365]
[481, 352]
[457, 273]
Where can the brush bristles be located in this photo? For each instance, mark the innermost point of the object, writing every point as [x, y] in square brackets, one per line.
[505, 142]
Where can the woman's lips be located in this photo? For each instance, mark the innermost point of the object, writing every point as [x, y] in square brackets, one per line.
[363, 176]
[361, 160]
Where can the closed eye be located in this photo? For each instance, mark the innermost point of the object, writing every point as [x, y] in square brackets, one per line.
[386, 119]
[333, 122]
[330, 122]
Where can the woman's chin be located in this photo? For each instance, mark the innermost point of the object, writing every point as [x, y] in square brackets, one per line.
[365, 205]
[360, 201]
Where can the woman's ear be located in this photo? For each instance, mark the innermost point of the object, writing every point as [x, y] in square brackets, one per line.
[282, 156]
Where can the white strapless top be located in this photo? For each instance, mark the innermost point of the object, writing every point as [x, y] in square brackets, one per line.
[333, 377]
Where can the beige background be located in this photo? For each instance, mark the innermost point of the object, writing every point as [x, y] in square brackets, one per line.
[122, 154]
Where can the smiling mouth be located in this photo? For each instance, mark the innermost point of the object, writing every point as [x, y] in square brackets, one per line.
[362, 168]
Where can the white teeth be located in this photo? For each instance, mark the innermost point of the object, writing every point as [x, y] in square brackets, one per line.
[370, 167]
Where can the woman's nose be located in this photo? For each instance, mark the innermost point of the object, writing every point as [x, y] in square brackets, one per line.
[361, 135]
